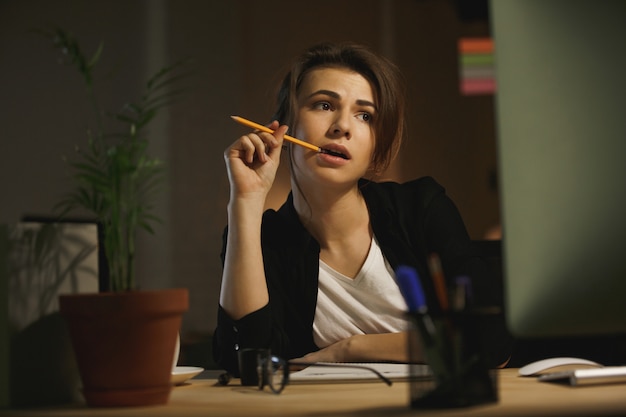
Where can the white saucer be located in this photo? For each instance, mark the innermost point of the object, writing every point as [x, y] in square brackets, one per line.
[180, 374]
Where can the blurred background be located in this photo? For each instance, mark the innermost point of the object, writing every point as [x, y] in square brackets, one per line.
[240, 49]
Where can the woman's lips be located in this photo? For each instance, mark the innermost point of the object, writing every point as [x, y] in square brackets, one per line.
[333, 153]
[336, 150]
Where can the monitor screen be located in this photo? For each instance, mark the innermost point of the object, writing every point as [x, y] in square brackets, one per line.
[561, 123]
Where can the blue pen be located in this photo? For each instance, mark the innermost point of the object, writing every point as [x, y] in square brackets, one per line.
[411, 289]
[435, 347]
[413, 293]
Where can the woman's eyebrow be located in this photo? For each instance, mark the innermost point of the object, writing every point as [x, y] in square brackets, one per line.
[329, 93]
[366, 103]
[334, 95]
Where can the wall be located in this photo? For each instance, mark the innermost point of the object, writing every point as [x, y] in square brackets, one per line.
[240, 48]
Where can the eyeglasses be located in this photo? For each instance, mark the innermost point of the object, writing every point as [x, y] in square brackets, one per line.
[274, 371]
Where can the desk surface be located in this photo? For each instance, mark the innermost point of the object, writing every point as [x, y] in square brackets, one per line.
[518, 397]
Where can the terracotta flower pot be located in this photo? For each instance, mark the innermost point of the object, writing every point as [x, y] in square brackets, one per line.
[124, 344]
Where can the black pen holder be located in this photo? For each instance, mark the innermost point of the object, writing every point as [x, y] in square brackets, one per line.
[451, 345]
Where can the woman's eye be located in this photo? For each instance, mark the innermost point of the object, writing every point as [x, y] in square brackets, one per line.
[366, 117]
[323, 105]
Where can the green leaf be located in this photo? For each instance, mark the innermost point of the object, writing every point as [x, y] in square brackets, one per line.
[96, 56]
[115, 178]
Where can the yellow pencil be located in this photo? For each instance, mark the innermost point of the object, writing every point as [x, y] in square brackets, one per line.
[262, 128]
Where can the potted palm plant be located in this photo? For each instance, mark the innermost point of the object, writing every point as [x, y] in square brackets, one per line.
[124, 338]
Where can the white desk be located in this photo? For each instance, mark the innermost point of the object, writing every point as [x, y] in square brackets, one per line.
[202, 397]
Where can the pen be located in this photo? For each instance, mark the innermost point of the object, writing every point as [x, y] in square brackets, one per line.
[411, 289]
[462, 292]
[413, 293]
[434, 264]
[307, 145]
[435, 345]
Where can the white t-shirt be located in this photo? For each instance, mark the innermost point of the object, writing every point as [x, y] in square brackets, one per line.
[369, 303]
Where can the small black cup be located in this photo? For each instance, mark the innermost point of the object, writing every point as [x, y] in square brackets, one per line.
[249, 360]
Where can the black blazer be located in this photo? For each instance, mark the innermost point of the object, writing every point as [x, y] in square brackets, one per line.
[410, 221]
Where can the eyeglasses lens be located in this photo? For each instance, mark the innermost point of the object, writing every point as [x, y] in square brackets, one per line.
[273, 372]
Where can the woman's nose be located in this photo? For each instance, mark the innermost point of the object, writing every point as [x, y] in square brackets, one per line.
[340, 127]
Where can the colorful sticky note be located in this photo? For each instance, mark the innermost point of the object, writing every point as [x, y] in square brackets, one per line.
[476, 66]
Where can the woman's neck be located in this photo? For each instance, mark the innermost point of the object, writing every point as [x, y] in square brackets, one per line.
[331, 215]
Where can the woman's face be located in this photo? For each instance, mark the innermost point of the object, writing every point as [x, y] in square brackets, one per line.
[336, 110]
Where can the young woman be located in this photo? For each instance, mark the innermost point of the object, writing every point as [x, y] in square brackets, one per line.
[315, 280]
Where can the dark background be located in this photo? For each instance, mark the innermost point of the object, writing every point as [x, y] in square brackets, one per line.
[240, 49]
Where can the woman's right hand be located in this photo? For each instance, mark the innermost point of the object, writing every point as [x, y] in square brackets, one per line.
[253, 160]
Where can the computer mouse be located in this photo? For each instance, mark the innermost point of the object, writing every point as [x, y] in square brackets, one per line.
[559, 364]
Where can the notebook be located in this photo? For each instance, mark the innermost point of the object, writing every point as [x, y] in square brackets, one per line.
[328, 372]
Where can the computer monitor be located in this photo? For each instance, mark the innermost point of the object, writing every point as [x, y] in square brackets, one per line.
[561, 136]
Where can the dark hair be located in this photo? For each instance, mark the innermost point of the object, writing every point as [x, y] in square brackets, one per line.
[384, 77]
